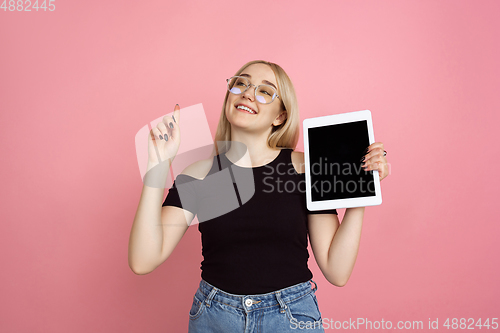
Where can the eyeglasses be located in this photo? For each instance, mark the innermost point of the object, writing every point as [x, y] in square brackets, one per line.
[264, 93]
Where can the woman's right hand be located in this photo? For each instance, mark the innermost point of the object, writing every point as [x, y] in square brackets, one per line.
[164, 139]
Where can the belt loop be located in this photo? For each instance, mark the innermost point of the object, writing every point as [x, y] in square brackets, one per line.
[280, 301]
[211, 296]
[315, 285]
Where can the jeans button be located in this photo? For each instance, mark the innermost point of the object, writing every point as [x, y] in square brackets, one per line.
[248, 302]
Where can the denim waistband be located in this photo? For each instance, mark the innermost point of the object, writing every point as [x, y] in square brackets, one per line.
[258, 301]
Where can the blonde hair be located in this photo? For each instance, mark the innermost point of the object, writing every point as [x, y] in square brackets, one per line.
[286, 135]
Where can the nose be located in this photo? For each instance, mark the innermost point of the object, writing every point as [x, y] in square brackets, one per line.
[249, 93]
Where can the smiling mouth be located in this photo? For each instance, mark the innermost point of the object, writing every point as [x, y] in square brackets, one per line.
[245, 109]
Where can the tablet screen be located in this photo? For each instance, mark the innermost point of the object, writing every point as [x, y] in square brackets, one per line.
[335, 153]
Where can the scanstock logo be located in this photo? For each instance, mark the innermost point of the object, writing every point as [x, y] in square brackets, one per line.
[223, 190]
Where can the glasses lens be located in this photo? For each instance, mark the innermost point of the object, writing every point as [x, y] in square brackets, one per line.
[265, 94]
[237, 85]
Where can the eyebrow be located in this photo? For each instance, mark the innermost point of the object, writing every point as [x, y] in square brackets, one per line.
[264, 81]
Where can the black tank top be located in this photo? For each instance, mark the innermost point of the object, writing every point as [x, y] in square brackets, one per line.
[253, 224]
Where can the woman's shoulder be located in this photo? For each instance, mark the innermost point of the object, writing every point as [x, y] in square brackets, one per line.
[199, 169]
[298, 161]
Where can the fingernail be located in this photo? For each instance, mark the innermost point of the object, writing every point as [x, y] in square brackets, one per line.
[171, 125]
[174, 119]
[362, 158]
[177, 106]
[161, 137]
[166, 137]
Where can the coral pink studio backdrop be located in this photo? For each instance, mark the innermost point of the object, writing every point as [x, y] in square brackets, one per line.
[76, 85]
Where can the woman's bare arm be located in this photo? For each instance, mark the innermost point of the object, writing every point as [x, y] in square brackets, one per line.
[335, 245]
[156, 230]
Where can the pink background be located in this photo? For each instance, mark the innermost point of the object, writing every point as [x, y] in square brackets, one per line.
[78, 83]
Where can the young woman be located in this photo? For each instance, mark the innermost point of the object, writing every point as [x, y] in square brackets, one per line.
[255, 276]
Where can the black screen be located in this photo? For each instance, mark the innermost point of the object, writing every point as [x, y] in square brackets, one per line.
[335, 152]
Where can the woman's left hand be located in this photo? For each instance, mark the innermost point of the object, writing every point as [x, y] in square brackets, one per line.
[374, 159]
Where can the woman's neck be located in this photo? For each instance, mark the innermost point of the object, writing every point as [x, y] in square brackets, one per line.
[250, 150]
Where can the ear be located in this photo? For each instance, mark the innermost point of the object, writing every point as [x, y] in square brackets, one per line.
[280, 119]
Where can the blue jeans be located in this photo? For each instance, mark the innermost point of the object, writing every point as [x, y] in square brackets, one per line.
[286, 310]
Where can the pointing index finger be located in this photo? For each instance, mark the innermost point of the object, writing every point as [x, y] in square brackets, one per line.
[177, 114]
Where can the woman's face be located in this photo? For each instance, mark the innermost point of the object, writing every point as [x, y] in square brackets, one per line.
[267, 115]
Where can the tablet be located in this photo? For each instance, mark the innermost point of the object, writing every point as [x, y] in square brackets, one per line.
[333, 148]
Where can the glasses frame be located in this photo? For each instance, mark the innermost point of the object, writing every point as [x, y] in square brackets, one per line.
[255, 89]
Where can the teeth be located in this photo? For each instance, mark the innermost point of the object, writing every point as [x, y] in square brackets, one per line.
[245, 108]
